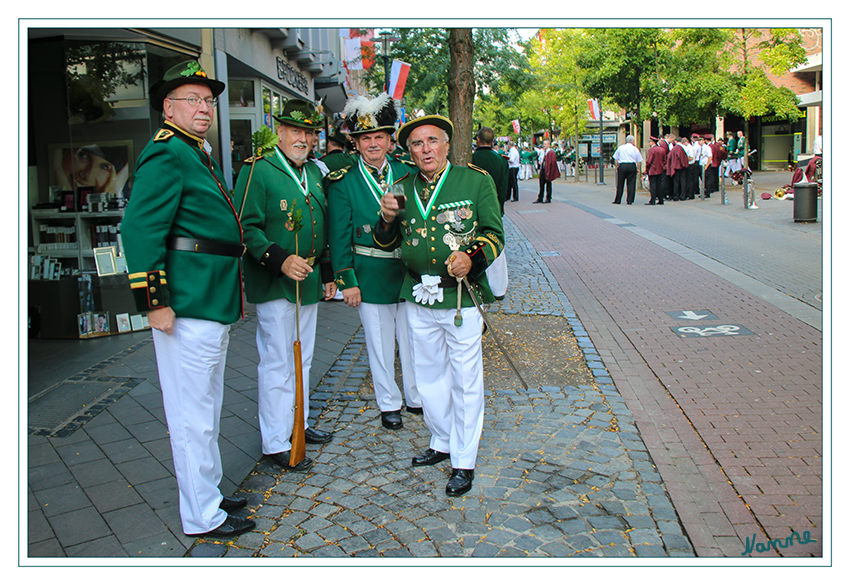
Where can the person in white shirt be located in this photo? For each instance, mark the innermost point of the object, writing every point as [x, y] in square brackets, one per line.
[627, 159]
[704, 161]
[513, 172]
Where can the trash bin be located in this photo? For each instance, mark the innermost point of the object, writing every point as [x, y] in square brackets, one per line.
[805, 201]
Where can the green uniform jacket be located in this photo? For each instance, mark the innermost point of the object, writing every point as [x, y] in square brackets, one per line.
[741, 147]
[272, 200]
[338, 160]
[465, 216]
[352, 209]
[497, 167]
[179, 190]
[731, 148]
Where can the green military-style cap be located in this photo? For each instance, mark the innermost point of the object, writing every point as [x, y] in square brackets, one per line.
[301, 114]
[185, 72]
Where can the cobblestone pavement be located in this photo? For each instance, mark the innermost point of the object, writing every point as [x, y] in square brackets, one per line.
[561, 472]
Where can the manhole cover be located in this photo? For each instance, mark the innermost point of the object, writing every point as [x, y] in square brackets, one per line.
[62, 409]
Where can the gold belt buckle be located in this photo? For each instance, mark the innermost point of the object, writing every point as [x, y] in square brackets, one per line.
[311, 260]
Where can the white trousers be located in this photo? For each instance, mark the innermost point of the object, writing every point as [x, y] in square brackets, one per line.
[497, 275]
[276, 370]
[191, 364]
[450, 377]
[382, 326]
[733, 165]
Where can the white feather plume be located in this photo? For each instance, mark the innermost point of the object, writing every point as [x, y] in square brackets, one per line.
[363, 105]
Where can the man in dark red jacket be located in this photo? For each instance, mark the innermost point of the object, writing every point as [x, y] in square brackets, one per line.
[548, 173]
[677, 162]
[656, 165]
[718, 155]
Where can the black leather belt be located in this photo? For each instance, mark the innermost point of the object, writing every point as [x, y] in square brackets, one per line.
[445, 281]
[205, 247]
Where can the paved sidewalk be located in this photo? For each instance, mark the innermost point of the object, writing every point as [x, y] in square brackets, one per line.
[102, 484]
[733, 421]
[679, 446]
[561, 472]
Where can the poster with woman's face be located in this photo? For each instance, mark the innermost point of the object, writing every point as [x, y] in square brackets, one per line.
[96, 168]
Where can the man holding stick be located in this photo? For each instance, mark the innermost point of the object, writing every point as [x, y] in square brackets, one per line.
[287, 272]
[449, 231]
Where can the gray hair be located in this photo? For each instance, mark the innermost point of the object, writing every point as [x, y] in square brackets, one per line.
[630, 138]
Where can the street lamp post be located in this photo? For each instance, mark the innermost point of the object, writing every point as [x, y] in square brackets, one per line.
[386, 37]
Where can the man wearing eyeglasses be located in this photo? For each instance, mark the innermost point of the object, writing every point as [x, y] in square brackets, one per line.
[183, 242]
[450, 229]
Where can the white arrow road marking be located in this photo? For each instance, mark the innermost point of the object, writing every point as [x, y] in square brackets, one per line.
[692, 315]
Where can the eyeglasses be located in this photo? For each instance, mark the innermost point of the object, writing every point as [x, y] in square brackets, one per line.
[420, 144]
[196, 101]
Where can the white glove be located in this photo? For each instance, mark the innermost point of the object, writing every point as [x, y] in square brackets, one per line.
[428, 291]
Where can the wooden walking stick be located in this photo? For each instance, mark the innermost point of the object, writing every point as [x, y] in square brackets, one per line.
[298, 449]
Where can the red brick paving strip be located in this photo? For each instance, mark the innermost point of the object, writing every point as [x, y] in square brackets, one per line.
[733, 423]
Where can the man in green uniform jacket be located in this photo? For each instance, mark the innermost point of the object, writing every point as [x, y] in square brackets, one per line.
[497, 167]
[284, 221]
[338, 156]
[495, 164]
[183, 244]
[370, 279]
[450, 228]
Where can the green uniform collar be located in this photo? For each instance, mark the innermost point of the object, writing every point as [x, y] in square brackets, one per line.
[186, 137]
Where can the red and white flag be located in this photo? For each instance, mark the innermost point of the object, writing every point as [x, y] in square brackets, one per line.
[594, 108]
[515, 124]
[398, 78]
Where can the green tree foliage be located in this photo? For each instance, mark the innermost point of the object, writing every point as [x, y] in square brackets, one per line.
[682, 76]
[501, 71]
[751, 92]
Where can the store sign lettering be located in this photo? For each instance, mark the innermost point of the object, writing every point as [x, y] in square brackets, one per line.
[291, 75]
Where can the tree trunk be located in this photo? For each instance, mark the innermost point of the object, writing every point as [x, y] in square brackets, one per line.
[461, 94]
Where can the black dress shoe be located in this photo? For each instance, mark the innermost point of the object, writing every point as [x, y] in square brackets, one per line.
[233, 526]
[650, 203]
[538, 201]
[316, 437]
[429, 457]
[391, 419]
[229, 504]
[282, 459]
[460, 482]
[414, 409]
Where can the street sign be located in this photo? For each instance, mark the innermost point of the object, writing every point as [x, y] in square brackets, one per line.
[686, 331]
[693, 315]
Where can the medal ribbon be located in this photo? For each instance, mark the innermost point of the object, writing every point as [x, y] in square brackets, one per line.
[434, 193]
[302, 182]
[374, 187]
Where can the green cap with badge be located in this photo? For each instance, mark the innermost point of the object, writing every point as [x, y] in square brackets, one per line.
[185, 72]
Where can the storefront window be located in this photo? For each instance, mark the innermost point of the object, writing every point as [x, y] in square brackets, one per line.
[267, 107]
[240, 93]
[86, 129]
